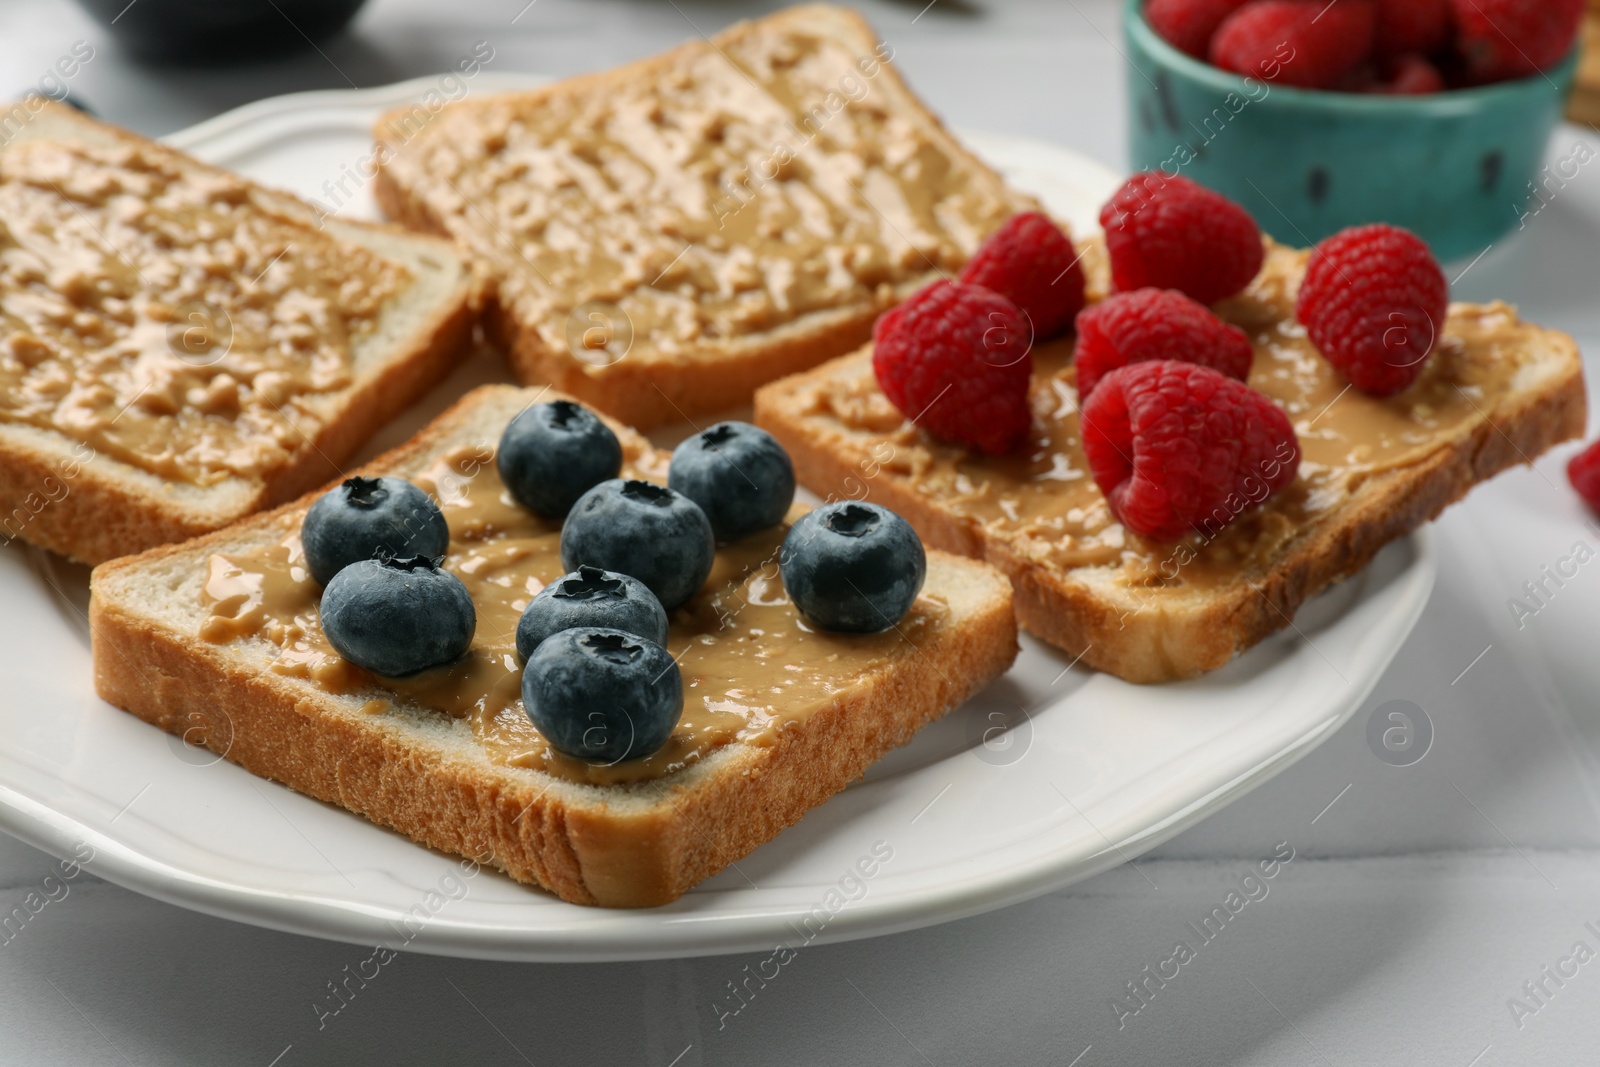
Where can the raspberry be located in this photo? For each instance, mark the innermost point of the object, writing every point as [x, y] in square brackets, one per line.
[955, 360]
[1033, 264]
[1156, 324]
[1584, 473]
[1166, 232]
[1295, 42]
[1177, 447]
[1408, 75]
[1188, 25]
[1503, 39]
[1374, 301]
[1411, 26]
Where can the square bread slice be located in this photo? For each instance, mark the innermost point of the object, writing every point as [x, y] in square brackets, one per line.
[673, 233]
[180, 347]
[776, 718]
[1496, 392]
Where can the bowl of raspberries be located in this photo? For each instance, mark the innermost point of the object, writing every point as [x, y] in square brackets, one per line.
[1434, 115]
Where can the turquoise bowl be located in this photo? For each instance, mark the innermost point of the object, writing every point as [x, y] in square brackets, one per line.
[1458, 168]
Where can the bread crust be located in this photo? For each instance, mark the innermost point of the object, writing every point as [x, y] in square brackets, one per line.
[647, 393]
[1161, 635]
[108, 508]
[617, 846]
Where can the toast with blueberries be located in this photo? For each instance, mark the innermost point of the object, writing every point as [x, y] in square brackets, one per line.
[528, 634]
[1226, 429]
[671, 234]
[180, 347]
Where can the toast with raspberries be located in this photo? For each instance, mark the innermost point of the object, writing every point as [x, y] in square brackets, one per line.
[219, 640]
[1495, 392]
[671, 234]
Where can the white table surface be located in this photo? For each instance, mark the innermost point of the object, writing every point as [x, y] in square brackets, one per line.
[1420, 900]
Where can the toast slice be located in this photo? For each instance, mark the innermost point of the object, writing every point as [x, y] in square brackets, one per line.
[1496, 392]
[673, 233]
[180, 347]
[475, 779]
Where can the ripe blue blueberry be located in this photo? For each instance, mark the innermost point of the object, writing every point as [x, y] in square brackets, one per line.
[602, 695]
[658, 536]
[551, 454]
[738, 474]
[370, 517]
[590, 596]
[853, 567]
[396, 617]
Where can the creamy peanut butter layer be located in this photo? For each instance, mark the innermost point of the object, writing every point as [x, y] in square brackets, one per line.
[1043, 502]
[169, 316]
[751, 665]
[727, 188]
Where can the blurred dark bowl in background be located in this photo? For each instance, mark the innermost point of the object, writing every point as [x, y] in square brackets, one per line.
[202, 32]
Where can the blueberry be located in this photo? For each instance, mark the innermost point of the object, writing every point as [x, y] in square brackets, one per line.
[853, 567]
[551, 454]
[660, 537]
[396, 617]
[738, 474]
[366, 518]
[590, 596]
[602, 695]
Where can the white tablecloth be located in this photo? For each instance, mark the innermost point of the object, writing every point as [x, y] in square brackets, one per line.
[1432, 914]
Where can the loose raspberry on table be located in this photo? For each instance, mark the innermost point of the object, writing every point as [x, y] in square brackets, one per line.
[1179, 448]
[1034, 265]
[1166, 232]
[1411, 26]
[956, 360]
[1151, 324]
[1374, 300]
[1189, 25]
[1305, 43]
[1583, 471]
[1503, 39]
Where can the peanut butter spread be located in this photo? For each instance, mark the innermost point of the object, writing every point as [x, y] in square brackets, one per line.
[728, 190]
[1043, 502]
[168, 316]
[750, 664]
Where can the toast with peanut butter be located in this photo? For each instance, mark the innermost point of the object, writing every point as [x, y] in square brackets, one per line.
[219, 640]
[1496, 392]
[180, 347]
[671, 234]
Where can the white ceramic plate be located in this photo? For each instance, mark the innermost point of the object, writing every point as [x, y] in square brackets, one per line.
[1050, 776]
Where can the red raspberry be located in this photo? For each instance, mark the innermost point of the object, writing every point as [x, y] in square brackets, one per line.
[1583, 471]
[1374, 301]
[1411, 26]
[1166, 232]
[1503, 39]
[1295, 42]
[1177, 447]
[1188, 25]
[1033, 264]
[1408, 75]
[1156, 324]
[955, 360]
